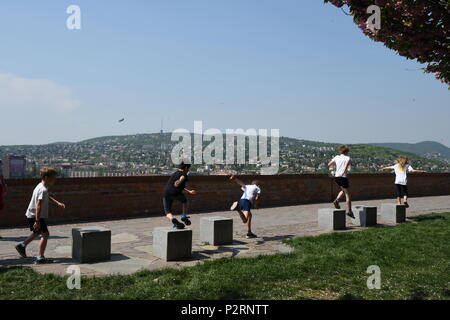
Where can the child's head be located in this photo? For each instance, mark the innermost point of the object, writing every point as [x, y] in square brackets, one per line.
[185, 167]
[48, 176]
[344, 149]
[402, 161]
[256, 182]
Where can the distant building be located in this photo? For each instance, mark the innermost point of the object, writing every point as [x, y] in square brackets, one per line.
[14, 167]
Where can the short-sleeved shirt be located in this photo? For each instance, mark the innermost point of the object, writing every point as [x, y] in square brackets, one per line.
[170, 189]
[341, 163]
[39, 193]
[401, 173]
[250, 192]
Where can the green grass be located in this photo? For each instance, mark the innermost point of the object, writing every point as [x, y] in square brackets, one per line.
[414, 259]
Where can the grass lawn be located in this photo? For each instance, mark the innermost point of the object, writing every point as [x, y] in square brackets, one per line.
[414, 259]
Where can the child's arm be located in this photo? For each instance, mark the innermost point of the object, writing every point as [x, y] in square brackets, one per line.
[59, 204]
[418, 171]
[256, 202]
[239, 182]
[37, 223]
[179, 181]
[331, 163]
[387, 168]
[190, 191]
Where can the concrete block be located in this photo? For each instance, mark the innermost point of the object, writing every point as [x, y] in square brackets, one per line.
[170, 244]
[364, 216]
[393, 213]
[216, 230]
[331, 219]
[91, 244]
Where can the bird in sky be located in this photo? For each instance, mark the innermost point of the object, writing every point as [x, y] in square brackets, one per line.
[121, 120]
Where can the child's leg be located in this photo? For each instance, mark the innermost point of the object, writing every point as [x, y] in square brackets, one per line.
[185, 208]
[243, 215]
[167, 205]
[339, 196]
[30, 238]
[347, 198]
[249, 221]
[43, 243]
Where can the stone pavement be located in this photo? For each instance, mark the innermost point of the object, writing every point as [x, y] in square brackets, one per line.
[132, 238]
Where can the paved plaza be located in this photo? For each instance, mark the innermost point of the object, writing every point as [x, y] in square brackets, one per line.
[132, 238]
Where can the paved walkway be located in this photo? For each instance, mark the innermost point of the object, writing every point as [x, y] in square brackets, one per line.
[132, 238]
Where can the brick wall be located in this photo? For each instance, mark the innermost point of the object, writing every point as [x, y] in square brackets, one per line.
[117, 197]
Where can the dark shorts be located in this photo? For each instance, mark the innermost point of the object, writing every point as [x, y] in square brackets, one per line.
[402, 190]
[43, 228]
[245, 205]
[342, 182]
[168, 201]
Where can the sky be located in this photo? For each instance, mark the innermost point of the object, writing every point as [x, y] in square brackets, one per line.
[302, 67]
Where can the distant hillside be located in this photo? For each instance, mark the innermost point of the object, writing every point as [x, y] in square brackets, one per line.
[150, 153]
[428, 149]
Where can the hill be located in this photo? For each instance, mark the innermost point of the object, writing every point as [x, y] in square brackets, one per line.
[428, 149]
[150, 154]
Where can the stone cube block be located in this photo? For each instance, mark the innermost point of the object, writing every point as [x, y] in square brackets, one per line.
[171, 244]
[91, 244]
[216, 230]
[331, 219]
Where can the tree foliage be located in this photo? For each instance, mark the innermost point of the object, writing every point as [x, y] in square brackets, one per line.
[416, 29]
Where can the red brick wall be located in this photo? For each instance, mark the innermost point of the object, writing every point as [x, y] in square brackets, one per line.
[106, 198]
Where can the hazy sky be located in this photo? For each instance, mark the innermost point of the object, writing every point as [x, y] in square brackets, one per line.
[299, 66]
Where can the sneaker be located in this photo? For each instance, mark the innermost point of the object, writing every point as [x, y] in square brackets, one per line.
[21, 249]
[336, 204]
[351, 215]
[234, 206]
[186, 220]
[42, 260]
[251, 235]
[406, 205]
[177, 224]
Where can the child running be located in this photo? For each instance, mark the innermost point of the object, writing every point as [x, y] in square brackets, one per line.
[37, 214]
[174, 191]
[342, 163]
[249, 199]
[401, 169]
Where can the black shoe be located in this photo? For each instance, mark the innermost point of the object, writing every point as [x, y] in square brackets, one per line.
[251, 235]
[42, 260]
[177, 224]
[406, 205]
[21, 250]
[336, 204]
[234, 206]
[186, 220]
[351, 215]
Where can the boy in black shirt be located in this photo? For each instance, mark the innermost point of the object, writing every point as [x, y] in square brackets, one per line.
[174, 191]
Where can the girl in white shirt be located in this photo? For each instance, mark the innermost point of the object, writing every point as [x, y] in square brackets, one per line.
[401, 169]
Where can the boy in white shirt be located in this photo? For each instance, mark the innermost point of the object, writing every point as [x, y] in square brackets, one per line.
[401, 169]
[37, 214]
[342, 163]
[249, 199]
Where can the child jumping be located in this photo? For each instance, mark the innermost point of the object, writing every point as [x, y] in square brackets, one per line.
[174, 191]
[342, 163]
[37, 214]
[401, 169]
[249, 199]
